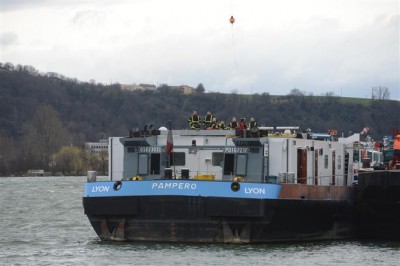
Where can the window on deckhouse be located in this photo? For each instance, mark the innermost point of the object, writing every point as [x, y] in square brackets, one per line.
[177, 159]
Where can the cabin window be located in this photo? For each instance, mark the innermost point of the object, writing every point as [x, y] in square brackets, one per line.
[217, 158]
[229, 164]
[326, 161]
[376, 157]
[339, 162]
[143, 163]
[155, 160]
[177, 158]
[356, 155]
[346, 162]
[241, 164]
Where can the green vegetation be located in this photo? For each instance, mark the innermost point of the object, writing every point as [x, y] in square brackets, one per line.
[45, 119]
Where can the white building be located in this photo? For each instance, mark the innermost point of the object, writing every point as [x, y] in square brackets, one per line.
[97, 147]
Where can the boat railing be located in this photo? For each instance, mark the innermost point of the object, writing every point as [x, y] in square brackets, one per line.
[137, 133]
[281, 178]
[332, 180]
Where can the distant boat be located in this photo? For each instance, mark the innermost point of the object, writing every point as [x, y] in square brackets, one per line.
[35, 172]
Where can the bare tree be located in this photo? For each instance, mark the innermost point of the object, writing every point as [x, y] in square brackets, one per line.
[9, 66]
[380, 93]
[296, 92]
[30, 70]
[103, 158]
[44, 135]
[329, 94]
[7, 153]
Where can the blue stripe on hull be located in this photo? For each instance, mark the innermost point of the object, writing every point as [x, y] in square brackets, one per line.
[182, 188]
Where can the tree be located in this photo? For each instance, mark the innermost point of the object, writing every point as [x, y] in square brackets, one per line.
[44, 135]
[69, 160]
[103, 158]
[200, 88]
[7, 154]
[380, 93]
[96, 161]
[30, 70]
[329, 94]
[296, 92]
[8, 66]
[92, 161]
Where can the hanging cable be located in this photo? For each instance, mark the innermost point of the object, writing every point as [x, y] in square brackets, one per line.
[233, 43]
[232, 21]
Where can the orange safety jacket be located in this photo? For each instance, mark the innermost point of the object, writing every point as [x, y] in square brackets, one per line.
[396, 144]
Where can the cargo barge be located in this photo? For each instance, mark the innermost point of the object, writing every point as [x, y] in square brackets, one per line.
[217, 186]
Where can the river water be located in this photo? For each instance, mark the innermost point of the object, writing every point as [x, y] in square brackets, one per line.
[42, 223]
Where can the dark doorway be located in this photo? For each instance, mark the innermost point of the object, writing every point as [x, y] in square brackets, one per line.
[302, 166]
[229, 164]
[155, 160]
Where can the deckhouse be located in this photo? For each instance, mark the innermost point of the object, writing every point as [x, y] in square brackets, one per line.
[286, 157]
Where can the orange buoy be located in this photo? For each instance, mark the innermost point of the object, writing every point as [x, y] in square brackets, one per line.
[232, 20]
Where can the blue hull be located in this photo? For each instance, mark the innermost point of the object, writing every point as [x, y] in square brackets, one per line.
[182, 188]
[211, 212]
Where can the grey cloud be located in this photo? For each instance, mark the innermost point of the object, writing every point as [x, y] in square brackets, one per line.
[88, 18]
[8, 38]
[7, 5]
[10, 5]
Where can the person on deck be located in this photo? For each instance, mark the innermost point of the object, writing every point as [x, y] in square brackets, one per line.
[242, 124]
[253, 127]
[242, 128]
[395, 163]
[233, 124]
[396, 143]
[194, 121]
[221, 125]
[214, 124]
[252, 124]
[207, 120]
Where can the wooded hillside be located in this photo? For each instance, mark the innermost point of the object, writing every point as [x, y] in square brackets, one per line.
[88, 111]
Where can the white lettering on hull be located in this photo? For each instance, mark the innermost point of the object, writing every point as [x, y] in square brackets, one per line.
[100, 189]
[254, 190]
[174, 185]
[236, 149]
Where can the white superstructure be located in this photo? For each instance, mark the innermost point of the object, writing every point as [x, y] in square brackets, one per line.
[223, 156]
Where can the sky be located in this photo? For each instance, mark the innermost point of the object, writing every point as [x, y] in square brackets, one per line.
[344, 47]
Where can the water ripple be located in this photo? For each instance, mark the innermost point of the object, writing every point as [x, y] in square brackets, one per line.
[42, 223]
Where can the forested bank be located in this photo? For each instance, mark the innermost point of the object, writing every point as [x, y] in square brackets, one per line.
[44, 117]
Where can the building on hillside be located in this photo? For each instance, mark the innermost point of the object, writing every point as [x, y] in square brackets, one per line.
[142, 87]
[186, 90]
[97, 147]
[130, 87]
[183, 89]
[148, 87]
